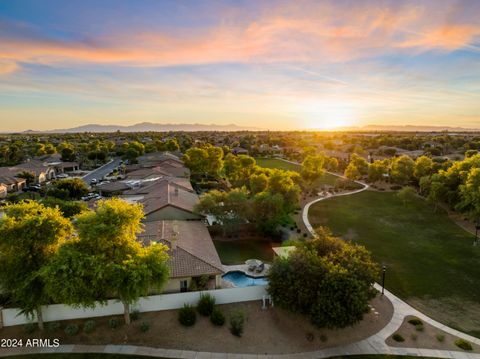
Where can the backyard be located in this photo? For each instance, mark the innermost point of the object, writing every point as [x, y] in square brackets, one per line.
[430, 260]
[237, 251]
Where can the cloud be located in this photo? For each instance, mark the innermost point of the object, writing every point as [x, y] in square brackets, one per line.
[323, 32]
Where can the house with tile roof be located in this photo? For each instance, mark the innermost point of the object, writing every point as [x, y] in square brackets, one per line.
[191, 251]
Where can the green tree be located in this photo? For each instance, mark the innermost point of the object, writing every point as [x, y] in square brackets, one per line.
[402, 169]
[423, 167]
[377, 170]
[106, 259]
[406, 194]
[28, 176]
[30, 235]
[470, 194]
[68, 188]
[172, 145]
[68, 208]
[258, 183]
[327, 279]
[312, 170]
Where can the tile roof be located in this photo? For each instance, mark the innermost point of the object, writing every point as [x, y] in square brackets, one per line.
[191, 248]
[167, 193]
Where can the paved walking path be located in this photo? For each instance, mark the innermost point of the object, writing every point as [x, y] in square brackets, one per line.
[374, 344]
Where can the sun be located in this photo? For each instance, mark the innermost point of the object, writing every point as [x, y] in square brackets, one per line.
[328, 115]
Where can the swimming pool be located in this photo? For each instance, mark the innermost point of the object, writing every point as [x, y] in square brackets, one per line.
[240, 279]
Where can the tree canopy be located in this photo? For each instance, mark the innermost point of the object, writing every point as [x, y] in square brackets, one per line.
[327, 279]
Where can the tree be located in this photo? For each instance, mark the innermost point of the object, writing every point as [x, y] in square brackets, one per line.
[68, 188]
[28, 176]
[470, 194]
[172, 145]
[30, 235]
[204, 160]
[406, 194]
[68, 208]
[107, 259]
[68, 154]
[402, 169]
[268, 212]
[238, 169]
[423, 167]
[357, 167]
[258, 183]
[327, 279]
[312, 169]
[229, 208]
[377, 170]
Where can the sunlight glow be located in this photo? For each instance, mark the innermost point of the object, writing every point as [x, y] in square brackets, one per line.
[328, 115]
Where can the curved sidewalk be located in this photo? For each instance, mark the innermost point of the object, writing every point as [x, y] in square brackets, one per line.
[374, 344]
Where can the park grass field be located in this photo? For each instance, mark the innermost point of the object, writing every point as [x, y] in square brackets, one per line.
[430, 261]
[327, 178]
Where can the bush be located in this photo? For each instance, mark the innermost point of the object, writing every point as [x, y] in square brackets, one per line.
[463, 344]
[29, 328]
[113, 323]
[134, 315]
[187, 316]
[71, 329]
[395, 187]
[206, 304]
[52, 327]
[413, 336]
[398, 337]
[415, 321]
[144, 327]
[89, 326]
[217, 318]
[237, 320]
[419, 327]
[440, 337]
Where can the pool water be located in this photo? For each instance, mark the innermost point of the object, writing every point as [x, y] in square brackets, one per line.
[240, 279]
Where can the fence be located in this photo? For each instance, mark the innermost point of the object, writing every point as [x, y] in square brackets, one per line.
[56, 312]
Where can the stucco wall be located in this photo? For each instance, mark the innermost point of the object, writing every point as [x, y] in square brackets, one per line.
[147, 304]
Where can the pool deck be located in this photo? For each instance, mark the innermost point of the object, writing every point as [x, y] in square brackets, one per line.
[244, 268]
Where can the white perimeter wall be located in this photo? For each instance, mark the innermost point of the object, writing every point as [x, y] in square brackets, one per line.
[57, 312]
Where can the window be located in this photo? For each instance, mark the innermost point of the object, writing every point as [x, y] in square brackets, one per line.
[183, 285]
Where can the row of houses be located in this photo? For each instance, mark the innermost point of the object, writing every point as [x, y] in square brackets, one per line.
[160, 182]
[43, 168]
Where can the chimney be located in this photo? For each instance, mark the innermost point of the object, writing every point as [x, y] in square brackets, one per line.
[174, 237]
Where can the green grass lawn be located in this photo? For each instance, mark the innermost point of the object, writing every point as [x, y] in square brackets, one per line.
[238, 251]
[327, 179]
[430, 260]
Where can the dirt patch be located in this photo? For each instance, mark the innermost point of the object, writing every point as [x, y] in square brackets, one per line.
[266, 331]
[428, 338]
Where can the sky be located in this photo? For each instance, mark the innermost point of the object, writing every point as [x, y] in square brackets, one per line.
[277, 65]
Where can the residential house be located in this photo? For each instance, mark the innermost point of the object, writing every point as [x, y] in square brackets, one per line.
[3, 190]
[239, 151]
[191, 250]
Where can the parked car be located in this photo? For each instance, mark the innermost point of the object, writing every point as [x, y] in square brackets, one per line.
[32, 188]
[62, 175]
[93, 181]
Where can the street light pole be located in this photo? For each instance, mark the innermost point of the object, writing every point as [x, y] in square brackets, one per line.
[384, 270]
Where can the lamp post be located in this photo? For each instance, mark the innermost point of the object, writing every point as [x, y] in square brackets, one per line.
[384, 270]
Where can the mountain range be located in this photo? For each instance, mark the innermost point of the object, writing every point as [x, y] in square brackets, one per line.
[149, 126]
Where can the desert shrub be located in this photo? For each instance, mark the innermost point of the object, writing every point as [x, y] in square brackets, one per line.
[113, 323]
[52, 327]
[206, 304]
[440, 337]
[217, 318]
[463, 344]
[144, 327]
[237, 319]
[419, 327]
[134, 315]
[29, 328]
[415, 321]
[71, 329]
[398, 337]
[187, 316]
[413, 336]
[89, 326]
